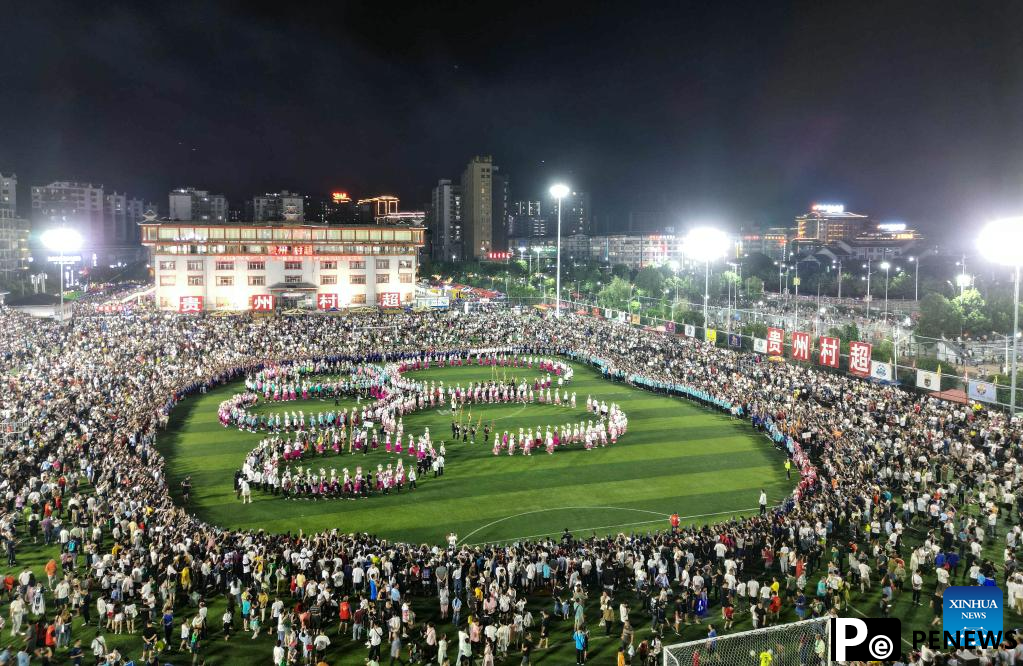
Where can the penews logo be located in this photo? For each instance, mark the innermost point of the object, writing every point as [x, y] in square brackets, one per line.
[975, 613]
[865, 640]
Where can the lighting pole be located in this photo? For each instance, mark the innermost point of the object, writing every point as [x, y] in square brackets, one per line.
[559, 191]
[916, 277]
[886, 266]
[867, 266]
[62, 240]
[1001, 241]
[839, 262]
[709, 244]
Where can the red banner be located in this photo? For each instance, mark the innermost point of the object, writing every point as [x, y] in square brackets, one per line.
[328, 301]
[669, 327]
[190, 304]
[859, 358]
[390, 299]
[800, 346]
[775, 342]
[262, 302]
[829, 351]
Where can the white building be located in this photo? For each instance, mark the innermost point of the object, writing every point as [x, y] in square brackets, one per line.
[201, 266]
[634, 251]
[277, 206]
[188, 203]
[9, 192]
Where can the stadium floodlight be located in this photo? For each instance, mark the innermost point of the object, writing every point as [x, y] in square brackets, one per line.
[63, 241]
[559, 191]
[706, 244]
[1001, 242]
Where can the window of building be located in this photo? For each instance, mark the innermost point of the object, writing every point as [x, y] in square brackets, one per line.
[195, 265]
[292, 265]
[356, 265]
[405, 278]
[257, 280]
[168, 265]
[383, 279]
[257, 265]
[358, 299]
[404, 263]
[292, 279]
[164, 302]
[328, 279]
[225, 265]
[357, 279]
[383, 263]
[167, 280]
[328, 265]
[225, 280]
[194, 280]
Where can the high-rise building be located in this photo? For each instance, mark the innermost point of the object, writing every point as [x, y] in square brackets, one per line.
[121, 217]
[9, 192]
[79, 206]
[827, 224]
[276, 206]
[445, 222]
[527, 220]
[188, 204]
[575, 214]
[499, 212]
[477, 207]
[14, 253]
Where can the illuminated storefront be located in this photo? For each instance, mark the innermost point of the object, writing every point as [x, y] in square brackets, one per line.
[280, 265]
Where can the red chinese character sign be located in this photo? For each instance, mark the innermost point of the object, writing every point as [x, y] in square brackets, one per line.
[859, 358]
[262, 302]
[800, 346]
[828, 353]
[775, 342]
[190, 304]
[390, 299]
[328, 301]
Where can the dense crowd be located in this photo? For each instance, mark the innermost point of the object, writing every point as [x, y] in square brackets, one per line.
[84, 403]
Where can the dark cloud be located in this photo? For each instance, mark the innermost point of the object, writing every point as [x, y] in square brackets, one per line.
[744, 111]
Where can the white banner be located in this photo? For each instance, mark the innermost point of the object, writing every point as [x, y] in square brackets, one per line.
[760, 345]
[882, 371]
[690, 331]
[928, 380]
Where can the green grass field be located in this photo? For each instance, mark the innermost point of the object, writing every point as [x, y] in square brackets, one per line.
[675, 457]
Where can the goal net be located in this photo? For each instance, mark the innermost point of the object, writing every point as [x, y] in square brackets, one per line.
[804, 643]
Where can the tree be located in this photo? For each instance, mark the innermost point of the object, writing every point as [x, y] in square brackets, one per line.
[972, 311]
[938, 317]
[754, 288]
[651, 281]
[615, 294]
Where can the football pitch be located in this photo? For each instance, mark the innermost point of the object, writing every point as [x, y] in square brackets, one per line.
[675, 457]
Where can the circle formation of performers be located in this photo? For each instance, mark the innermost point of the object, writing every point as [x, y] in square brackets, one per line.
[273, 466]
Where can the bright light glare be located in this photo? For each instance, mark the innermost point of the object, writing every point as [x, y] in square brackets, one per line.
[706, 243]
[62, 239]
[963, 280]
[559, 191]
[1001, 241]
[885, 265]
[673, 265]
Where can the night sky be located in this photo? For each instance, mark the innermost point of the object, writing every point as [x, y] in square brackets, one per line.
[715, 111]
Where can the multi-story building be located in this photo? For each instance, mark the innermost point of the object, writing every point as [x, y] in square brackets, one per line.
[445, 222]
[277, 206]
[632, 250]
[9, 192]
[478, 207]
[376, 207]
[499, 212]
[827, 224]
[575, 214]
[527, 220]
[201, 266]
[14, 251]
[190, 204]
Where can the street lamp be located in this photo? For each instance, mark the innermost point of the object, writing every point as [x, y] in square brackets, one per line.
[707, 244]
[886, 266]
[916, 277]
[62, 240]
[1001, 241]
[559, 191]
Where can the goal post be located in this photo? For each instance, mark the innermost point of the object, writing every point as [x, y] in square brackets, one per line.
[803, 643]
